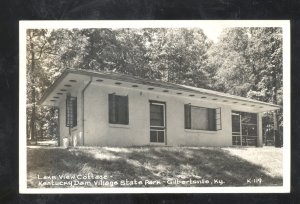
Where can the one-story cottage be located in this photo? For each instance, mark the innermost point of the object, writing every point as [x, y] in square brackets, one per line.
[110, 109]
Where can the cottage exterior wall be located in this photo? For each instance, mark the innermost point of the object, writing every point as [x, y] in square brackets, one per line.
[98, 131]
[75, 131]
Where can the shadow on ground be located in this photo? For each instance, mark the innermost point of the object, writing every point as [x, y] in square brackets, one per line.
[164, 164]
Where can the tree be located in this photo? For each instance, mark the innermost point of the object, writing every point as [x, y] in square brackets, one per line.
[173, 55]
[179, 55]
[245, 61]
[248, 62]
[100, 51]
[36, 46]
[42, 55]
[265, 49]
[227, 61]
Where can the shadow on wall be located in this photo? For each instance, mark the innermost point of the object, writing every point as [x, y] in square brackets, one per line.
[146, 163]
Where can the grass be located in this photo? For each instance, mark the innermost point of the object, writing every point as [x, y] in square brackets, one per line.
[165, 165]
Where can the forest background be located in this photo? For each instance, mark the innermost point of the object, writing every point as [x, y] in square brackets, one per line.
[243, 61]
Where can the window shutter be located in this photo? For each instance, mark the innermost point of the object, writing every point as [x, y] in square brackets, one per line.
[121, 109]
[112, 108]
[187, 116]
[211, 119]
[218, 119]
[71, 111]
[125, 111]
[74, 107]
[68, 111]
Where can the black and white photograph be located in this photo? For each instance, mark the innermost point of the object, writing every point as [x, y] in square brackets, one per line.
[154, 106]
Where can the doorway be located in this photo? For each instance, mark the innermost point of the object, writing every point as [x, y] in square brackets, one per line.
[157, 122]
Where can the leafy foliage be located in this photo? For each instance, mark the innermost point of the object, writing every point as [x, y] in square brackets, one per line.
[245, 61]
[248, 62]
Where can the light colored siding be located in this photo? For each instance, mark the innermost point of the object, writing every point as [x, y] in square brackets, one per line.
[99, 132]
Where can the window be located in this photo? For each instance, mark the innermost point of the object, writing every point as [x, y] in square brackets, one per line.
[156, 115]
[201, 118]
[71, 111]
[118, 109]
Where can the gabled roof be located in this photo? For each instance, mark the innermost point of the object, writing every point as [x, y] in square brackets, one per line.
[203, 94]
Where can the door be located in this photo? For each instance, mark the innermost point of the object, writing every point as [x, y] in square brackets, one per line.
[157, 123]
[236, 129]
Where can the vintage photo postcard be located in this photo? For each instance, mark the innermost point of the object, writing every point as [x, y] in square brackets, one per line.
[154, 106]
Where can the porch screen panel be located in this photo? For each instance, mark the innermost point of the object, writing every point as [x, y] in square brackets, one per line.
[249, 118]
[252, 130]
[249, 128]
[244, 128]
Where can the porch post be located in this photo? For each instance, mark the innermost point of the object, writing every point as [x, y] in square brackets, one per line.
[259, 130]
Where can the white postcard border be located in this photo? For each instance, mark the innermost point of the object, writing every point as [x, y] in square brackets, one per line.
[23, 25]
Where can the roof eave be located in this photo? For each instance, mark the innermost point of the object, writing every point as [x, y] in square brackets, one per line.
[52, 87]
[126, 78]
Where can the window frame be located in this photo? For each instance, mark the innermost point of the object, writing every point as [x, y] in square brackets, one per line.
[113, 109]
[163, 116]
[158, 128]
[188, 118]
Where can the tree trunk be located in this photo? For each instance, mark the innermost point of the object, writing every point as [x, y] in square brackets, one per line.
[28, 129]
[33, 112]
[275, 115]
[33, 118]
